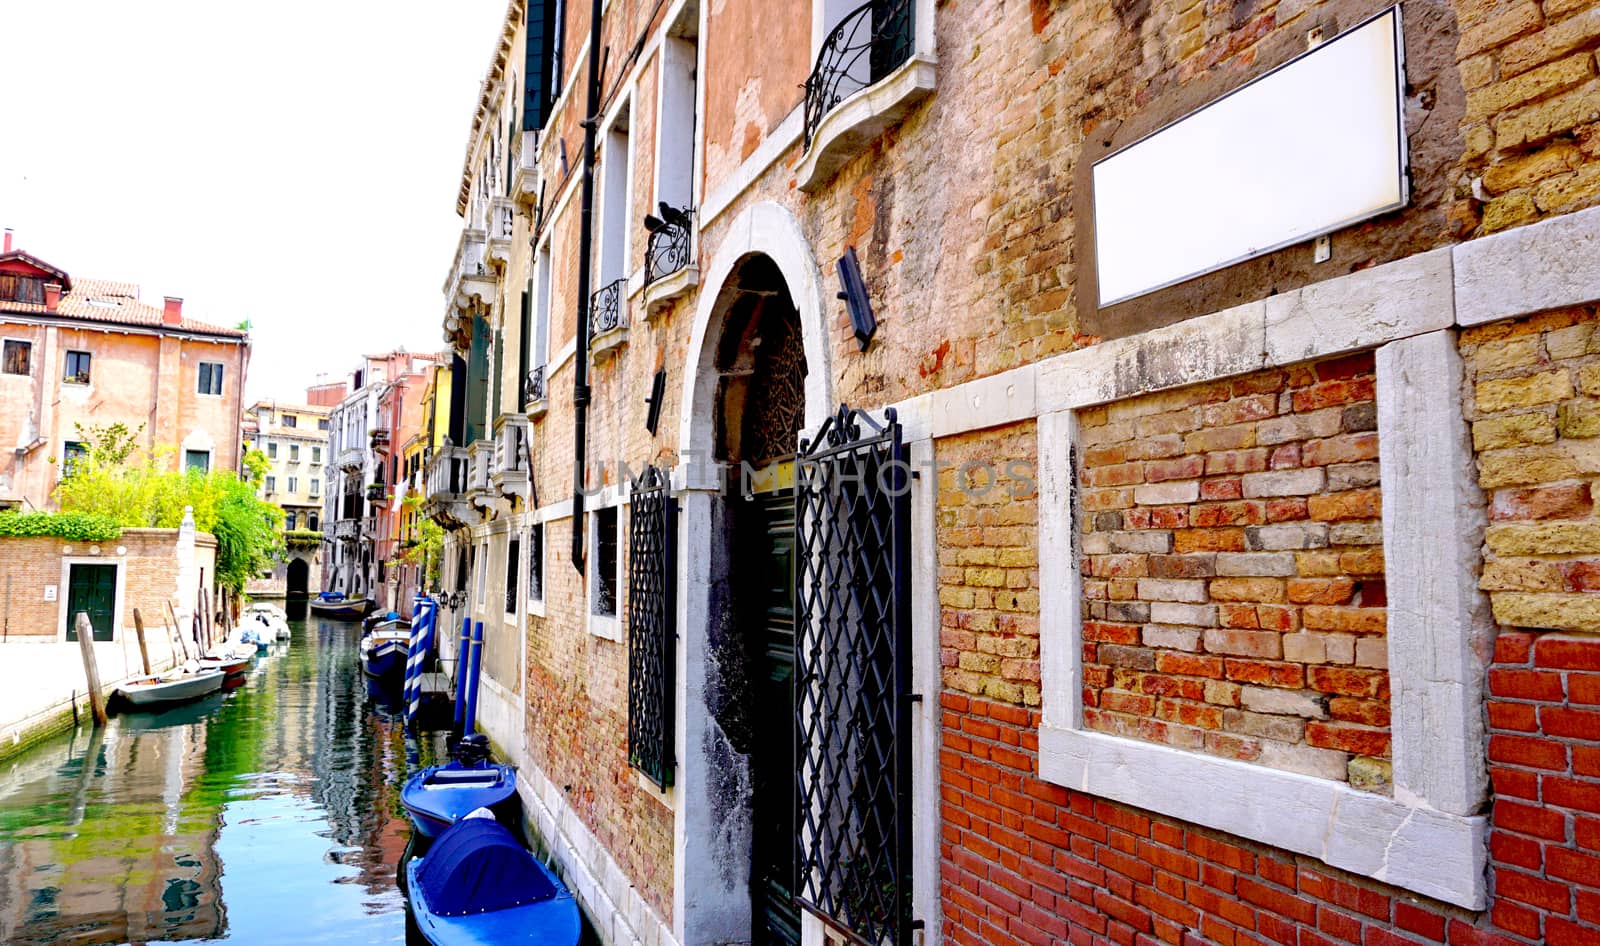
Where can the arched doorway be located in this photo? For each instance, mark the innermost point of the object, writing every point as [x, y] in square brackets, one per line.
[297, 587]
[761, 370]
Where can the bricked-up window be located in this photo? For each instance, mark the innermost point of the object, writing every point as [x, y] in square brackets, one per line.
[603, 601]
[1233, 590]
[513, 567]
[536, 562]
[18, 357]
[210, 378]
[76, 370]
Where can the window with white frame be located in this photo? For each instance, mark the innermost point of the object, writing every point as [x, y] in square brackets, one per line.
[316, 454]
[536, 564]
[272, 450]
[76, 369]
[272, 484]
[294, 484]
[513, 570]
[210, 379]
[616, 170]
[316, 486]
[675, 140]
[604, 577]
[294, 453]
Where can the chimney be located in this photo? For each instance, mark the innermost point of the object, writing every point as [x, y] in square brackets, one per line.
[52, 296]
[173, 313]
[8, 241]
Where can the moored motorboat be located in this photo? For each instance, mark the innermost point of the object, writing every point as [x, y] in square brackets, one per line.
[267, 616]
[174, 686]
[333, 604]
[383, 655]
[228, 665]
[441, 795]
[478, 885]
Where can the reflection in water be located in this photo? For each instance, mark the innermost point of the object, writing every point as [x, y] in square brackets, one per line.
[267, 814]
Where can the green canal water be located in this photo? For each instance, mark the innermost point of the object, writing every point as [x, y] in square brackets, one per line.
[266, 814]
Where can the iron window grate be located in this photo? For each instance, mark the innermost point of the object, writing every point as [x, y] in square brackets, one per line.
[853, 678]
[652, 633]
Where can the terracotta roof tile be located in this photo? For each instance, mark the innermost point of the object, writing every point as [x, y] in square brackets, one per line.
[115, 303]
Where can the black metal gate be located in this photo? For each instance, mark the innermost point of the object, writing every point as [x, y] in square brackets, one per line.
[652, 633]
[853, 677]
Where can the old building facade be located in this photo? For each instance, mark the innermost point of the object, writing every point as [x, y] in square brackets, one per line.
[1243, 600]
[294, 439]
[87, 352]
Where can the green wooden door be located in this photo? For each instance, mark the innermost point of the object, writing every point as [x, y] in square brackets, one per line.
[769, 541]
[92, 589]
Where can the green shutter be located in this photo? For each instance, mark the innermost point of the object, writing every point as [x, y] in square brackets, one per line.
[540, 69]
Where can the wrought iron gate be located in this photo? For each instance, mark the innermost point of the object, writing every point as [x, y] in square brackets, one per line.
[853, 677]
[652, 634]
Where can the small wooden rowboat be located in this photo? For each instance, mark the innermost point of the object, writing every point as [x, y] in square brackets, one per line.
[172, 687]
[340, 608]
[477, 885]
[383, 654]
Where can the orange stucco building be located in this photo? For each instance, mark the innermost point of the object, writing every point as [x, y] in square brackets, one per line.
[87, 351]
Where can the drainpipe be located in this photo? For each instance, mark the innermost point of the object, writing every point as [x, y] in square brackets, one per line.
[580, 383]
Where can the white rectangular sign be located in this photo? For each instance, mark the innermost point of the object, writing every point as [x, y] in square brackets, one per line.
[1308, 148]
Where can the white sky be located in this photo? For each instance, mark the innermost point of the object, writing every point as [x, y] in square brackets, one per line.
[294, 163]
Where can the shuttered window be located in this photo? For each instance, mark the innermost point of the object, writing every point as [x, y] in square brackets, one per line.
[543, 62]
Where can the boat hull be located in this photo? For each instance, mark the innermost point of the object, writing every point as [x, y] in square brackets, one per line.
[341, 610]
[228, 665]
[141, 693]
[384, 660]
[441, 795]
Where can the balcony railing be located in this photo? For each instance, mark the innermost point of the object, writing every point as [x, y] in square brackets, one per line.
[445, 486]
[511, 474]
[502, 227]
[608, 317]
[669, 243]
[377, 493]
[525, 176]
[379, 437]
[869, 43]
[535, 392]
[350, 458]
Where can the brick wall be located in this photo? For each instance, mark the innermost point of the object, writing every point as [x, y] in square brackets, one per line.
[148, 579]
[1233, 570]
[1534, 406]
[1532, 126]
[1029, 862]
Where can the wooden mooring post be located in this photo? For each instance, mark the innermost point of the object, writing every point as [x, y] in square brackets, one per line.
[138, 630]
[97, 703]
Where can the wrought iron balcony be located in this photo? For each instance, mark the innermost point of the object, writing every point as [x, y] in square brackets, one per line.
[377, 493]
[502, 226]
[669, 243]
[872, 41]
[608, 317]
[535, 392]
[379, 437]
[525, 175]
[511, 474]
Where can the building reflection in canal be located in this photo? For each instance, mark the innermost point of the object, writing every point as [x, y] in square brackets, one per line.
[266, 814]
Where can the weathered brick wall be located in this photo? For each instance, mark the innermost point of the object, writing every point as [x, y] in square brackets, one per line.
[1233, 570]
[1025, 861]
[1534, 405]
[148, 582]
[1532, 122]
[577, 728]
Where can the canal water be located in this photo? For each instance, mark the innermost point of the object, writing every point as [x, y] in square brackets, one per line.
[267, 814]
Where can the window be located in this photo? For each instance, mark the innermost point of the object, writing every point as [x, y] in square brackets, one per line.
[316, 487]
[18, 357]
[616, 170]
[604, 563]
[513, 566]
[294, 452]
[289, 420]
[272, 450]
[312, 522]
[17, 288]
[72, 451]
[294, 485]
[323, 424]
[272, 484]
[211, 378]
[77, 369]
[197, 460]
[316, 454]
[289, 520]
[536, 562]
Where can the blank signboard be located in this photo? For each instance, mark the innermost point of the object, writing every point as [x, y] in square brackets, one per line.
[1312, 146]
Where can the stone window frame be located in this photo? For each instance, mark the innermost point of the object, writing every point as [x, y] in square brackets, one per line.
[70, 558]
[605, 626]
[536, 606]
[1430, 837]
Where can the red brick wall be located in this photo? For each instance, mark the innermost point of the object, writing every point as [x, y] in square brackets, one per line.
[1027, 861]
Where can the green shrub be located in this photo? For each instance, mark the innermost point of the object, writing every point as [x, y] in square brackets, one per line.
[74, 526]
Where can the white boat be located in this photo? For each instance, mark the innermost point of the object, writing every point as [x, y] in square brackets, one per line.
[174, 686]
[265, 620]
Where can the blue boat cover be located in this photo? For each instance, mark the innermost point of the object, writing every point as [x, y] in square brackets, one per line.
[477, 867]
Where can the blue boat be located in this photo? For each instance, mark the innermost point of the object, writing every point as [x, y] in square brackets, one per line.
[383, 655]
[478, 886]
[333, 604]
[441, 795]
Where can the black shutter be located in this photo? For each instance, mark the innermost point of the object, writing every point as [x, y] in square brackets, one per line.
[540, 73]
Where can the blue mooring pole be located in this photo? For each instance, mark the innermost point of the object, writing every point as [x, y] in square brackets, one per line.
[474, 667]
[461, 671]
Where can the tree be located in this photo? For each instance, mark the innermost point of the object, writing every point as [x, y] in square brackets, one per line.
[145, 489]
[429, 543]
